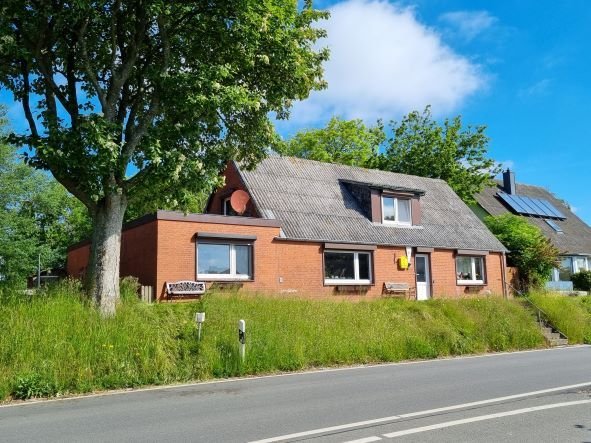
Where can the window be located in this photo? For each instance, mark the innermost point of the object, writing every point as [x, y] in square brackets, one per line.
[566, 269]
[342, 267]
[224, 261]
[470, 270]
[554, 225]
[396, 210]
[228, 210]
[580, 264]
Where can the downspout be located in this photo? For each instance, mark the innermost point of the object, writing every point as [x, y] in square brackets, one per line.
[504, 274]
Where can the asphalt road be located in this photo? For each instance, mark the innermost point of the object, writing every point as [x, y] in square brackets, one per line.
[529, 396]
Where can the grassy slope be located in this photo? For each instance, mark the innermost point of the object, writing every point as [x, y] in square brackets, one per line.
[572, 315]
[57, 344]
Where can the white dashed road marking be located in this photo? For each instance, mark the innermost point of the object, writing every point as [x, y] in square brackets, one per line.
[364, 440]
[417, 414]
[464, 421]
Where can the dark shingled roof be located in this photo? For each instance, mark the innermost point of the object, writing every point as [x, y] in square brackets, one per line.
[313, 201]
[576, 236]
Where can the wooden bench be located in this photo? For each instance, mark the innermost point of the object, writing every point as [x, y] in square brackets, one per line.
[397, 289]
[184, 287]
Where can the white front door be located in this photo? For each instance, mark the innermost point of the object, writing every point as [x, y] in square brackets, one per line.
[423, 277]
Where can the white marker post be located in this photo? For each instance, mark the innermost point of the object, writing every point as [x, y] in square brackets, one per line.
[199, 318]
[242, 338]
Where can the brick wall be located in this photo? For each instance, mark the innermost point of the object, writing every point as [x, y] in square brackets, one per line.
[138, 255]
[165, 250]
[177, 252]
[301, 268]
[77, 260]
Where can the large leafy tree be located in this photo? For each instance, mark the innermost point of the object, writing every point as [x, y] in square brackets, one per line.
[419, 145]
[124, 97]
[350, 142]
[38, 217]
[530, 250]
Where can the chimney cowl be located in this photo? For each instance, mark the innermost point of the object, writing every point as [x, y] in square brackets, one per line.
[509, 182]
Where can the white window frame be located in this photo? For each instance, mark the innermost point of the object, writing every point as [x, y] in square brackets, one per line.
[232, 275]
[397, 221]
[473, 265]
[343, 281]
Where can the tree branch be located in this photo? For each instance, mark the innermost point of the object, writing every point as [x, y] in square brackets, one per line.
[133, 133]
[26, 98]
[73, 189]
[88, 69]
[137, 133]
[71, 79]
[136, 180]
[121, 75]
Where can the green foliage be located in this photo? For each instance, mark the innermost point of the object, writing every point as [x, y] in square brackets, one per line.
[38, 217]
[142, 103]
[421, 146]
[56, 343]
[169, 90]
[582, 280]
[130, 289]
[530, 250]
[32, 386]
[349, 142]
[418, 146]
[572, 315]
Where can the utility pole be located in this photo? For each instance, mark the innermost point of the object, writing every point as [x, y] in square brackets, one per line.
[39, 272]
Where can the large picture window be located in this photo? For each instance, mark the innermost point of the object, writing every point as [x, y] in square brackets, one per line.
[396, 210]
[470, 270]
[342, 267]
[224, 261]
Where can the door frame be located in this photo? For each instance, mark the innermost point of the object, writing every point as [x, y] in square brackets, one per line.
[428, 278]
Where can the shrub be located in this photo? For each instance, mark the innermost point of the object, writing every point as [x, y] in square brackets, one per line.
[582, 280]
[32, 386]
[530, 251]
[129, 289]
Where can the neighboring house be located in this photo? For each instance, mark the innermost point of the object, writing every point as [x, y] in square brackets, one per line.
[570, 234]
[318, 229]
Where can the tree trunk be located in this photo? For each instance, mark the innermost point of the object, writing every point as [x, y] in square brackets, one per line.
[102, 277]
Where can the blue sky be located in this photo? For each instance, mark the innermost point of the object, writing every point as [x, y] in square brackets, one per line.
[522, 68]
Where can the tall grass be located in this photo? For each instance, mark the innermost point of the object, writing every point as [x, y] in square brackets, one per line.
[572, 315]
[57, 344]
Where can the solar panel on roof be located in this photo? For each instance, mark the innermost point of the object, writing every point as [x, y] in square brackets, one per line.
[535, 208]
[551, 209]
[531, 206]
[507, 198]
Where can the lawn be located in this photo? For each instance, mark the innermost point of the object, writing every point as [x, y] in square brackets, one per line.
[572, 315]
[57, 344]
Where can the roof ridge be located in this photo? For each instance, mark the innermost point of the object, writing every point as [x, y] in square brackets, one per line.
[341, 165]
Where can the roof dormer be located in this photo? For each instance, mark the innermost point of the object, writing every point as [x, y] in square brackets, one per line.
[388, 204]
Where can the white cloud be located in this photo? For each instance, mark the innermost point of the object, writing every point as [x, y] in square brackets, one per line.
[469, 24]
[385, 63]
[540, 87]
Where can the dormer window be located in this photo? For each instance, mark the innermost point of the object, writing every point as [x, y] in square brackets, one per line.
[396, 210]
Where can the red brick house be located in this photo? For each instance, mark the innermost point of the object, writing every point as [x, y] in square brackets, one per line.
[317, 230]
